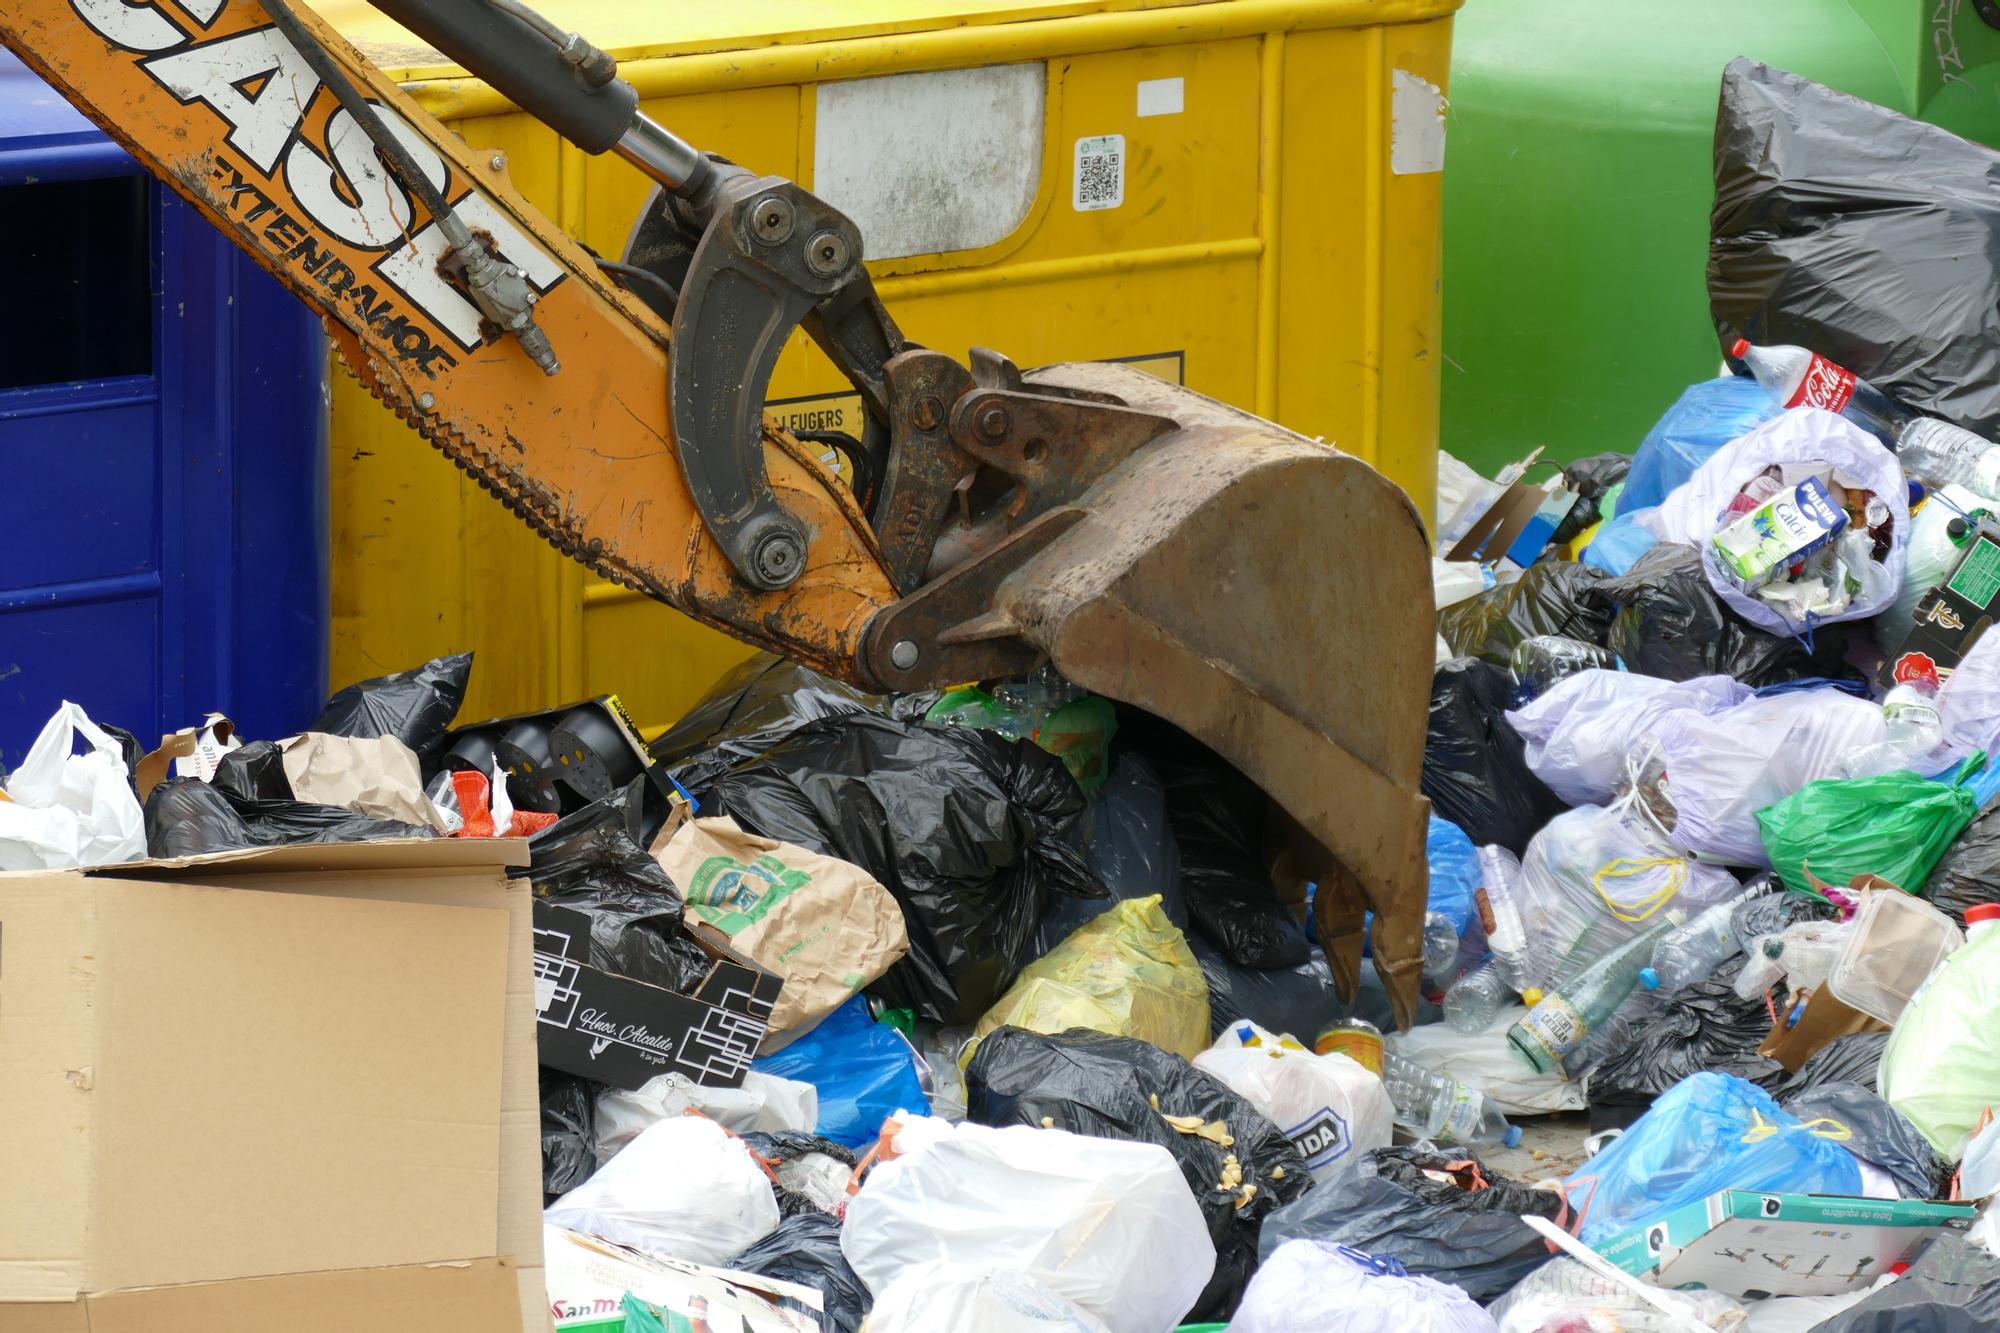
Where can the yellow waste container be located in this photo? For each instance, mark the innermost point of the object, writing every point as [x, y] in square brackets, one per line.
[1241, 195]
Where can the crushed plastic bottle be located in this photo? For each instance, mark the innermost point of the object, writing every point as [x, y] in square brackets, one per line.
[1694, 951]
[1443, 1109]
[1941, 454]
[1915, 729]
[1797, 377]
[1565, 1018]
[1476, 998]
[1802, 957]
[1543, 659]
[1497, 900]
[1440, 951]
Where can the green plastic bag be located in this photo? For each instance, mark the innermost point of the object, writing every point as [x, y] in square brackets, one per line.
[1941, 1068]
[645, 1317]
[1896, 826]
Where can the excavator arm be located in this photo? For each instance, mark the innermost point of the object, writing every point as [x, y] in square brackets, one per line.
[1266, 593]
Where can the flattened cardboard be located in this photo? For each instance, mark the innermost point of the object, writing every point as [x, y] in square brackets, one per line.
[1825, 1018]
[623, 1032]
[1492, 534]
[473, 1296]
[1742, 1242]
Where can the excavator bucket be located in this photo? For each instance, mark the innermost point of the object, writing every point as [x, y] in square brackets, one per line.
[1270, 596]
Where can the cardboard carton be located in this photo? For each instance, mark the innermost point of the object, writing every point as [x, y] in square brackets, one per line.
[296, 1079]
[623, 1031]
[1744, 1242]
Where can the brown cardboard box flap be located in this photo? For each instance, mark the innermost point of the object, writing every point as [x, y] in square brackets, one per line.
[390, 854]
[474, 1296]
[1825, 1018]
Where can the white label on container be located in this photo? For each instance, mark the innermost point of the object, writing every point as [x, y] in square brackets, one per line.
[1162, 97]
[1100, 172]
[1416, 125]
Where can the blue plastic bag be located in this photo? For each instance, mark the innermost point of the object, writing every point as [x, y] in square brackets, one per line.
[1708, 1132]
[1709, 415]
[864, 1070]
[1619, 543]
[1454, 871]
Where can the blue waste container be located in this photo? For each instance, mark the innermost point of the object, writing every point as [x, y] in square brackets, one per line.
[163, 471]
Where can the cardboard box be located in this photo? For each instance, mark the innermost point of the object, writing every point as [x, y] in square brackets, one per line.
[622, 1031]
[1952, 616]
[1742, 1242]
[297, 1075]
[1799, 520]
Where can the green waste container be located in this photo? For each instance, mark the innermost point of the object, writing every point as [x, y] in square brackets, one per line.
[1576, 203]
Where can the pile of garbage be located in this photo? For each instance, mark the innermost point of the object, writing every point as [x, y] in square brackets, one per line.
[981, 1010]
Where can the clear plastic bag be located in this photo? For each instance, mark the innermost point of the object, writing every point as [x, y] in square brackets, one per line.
[1706, 775]
[1309, 1284]
[1105, 1224]
[1580, 733]
[64, 809]
[1596, 877]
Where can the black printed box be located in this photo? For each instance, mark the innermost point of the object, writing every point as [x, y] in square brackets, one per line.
[623, 1032]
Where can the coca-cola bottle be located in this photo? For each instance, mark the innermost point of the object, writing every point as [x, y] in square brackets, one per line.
[1800, 378]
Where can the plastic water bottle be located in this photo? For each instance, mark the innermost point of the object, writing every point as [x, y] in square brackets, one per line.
[1565, 1018]
[1476, 998]
[1440, 950]
[1910, 712]
[1442, 1109]
[1694, 951]
[1942, 454]
[1498, 902]
[1800, 378]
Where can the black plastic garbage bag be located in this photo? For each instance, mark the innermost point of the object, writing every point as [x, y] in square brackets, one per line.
[254, 772]
[972, 833]
[1590, 478]
[1703, 1026]
[805, 1249]
[569, 1132]
[1878, 1133]
[1217, 817]
[189, 817]
[1297, 1000]
[1670, 623]
[1103, 1086]
[1853, 1059]
[1475, 770]
[758, 704]
[1953, 1287]
[1969, 873]
[804, 1167]
[1393, 1208]
[634, 908]
[1548, 599]
[414, 706]
[1871, 238]
[1131, 849]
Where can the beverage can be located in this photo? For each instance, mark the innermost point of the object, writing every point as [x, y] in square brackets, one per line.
[1355, 1038]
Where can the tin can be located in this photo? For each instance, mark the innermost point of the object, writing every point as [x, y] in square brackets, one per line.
[1356, 1038]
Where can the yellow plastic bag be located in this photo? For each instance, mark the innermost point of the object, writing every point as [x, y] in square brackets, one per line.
[1128, 972]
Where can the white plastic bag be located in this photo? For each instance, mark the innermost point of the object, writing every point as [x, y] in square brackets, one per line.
[1803, 442]
[684, 1189]
[764, 1102]
[65, 809]
[1717, 770]
[1598, 875]
[931, 1298]
[1106, 1224]
[1484, 1060]
[1564, 1293]
[1331, 1108]
[1579, 732]
[1310, 1285]
[1969, 706]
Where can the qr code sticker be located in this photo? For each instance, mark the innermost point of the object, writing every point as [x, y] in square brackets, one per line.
[1100, 172]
